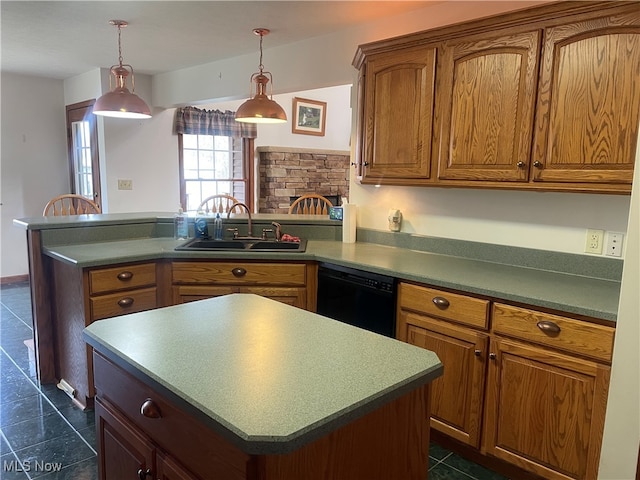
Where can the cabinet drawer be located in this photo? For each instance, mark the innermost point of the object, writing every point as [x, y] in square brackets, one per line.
[239, 273]
[116, 304]
[122, 277]
[205, 452]
[575, 336]
[451, 306]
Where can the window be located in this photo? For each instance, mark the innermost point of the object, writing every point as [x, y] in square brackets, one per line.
[215, 164]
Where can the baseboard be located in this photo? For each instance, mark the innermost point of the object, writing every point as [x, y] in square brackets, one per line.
[14, 279]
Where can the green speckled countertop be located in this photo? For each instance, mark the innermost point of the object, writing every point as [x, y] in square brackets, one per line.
[268, 376]
[577, 294]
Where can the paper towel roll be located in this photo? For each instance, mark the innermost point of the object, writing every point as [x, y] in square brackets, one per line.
[349, 223]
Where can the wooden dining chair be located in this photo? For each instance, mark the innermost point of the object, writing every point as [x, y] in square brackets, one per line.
[311, 204]
[70, 204]
[220, 203]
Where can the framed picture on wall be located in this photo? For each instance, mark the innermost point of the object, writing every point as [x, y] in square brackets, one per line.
[309, 116]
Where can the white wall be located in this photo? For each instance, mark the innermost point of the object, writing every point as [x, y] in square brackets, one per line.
[623, 408]
[542, 220]
[338, 125]
[33, 157]
[146, 151]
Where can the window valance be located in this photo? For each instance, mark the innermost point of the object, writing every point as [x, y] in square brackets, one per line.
[194, 121]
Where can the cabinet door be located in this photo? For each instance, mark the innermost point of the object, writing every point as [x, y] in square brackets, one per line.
[191, 293]
[456, 396]
[122, 452]
[484, 116]
[169, 469]
[290, 295]
[544, 410]
[398, 111]
[589, 102]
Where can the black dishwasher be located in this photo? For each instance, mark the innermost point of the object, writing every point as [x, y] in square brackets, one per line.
[366, 300]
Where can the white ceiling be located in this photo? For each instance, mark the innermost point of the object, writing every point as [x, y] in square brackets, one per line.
[61, 39]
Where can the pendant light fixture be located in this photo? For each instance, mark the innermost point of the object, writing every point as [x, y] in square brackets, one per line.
[119, 101]
[261, 108]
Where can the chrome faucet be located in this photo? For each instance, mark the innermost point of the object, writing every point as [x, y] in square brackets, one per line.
[278, 231]
[249, 221]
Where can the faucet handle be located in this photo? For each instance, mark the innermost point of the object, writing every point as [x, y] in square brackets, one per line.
[234, 231]
[265, 231]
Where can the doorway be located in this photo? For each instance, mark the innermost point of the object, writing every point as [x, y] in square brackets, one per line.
[82, 144]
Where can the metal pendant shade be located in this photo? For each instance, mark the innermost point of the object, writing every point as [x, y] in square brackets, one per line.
[261, 108]
[119, 101]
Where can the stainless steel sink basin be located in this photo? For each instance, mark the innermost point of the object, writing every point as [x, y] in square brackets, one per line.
[208, 245]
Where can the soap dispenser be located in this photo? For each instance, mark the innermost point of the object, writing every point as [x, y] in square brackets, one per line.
[217, 228]
[180, 225]
[201, 227]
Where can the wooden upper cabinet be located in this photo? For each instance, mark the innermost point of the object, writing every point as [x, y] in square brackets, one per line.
[397, 116]
[485, 101]
[541, 99]
[589, 102]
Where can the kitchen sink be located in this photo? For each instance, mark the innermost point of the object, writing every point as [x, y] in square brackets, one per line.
[208, 245]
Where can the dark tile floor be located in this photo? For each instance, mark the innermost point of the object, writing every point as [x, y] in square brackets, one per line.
[44, 436]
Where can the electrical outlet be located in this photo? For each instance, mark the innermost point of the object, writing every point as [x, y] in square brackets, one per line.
[614, 244]
[125, 184]
[594, 241]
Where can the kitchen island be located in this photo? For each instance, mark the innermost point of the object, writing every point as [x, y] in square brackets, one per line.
[241, 386]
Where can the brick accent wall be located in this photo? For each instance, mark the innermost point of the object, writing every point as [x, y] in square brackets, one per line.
[290, 172]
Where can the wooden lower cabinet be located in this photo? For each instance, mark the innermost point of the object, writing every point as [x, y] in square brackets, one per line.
[290, 283]
[390, 442]
[545, 410]
[82, 296]
[530, 389]
[457, 396]
[123, 450]
[441, 322]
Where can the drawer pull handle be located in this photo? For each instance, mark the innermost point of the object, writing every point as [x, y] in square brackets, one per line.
[150, 409]
[548, 327]
[440, 302]
[239, 272]
[143, 474]
[126, 275]
[125, 302]
[492, 356]
[477, 352]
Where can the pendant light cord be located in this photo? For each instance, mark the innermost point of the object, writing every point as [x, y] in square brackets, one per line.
[119, 44]
[261, 66]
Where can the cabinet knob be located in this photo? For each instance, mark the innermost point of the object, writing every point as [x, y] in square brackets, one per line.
[537, 164]
[366, 164]
[143, 474]
[477, 352]
[125, 302]
[521, 164]
[492, 356]
[440, 302]
[150, 409]
[548, 327]
[239, 272]
[126, 275]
